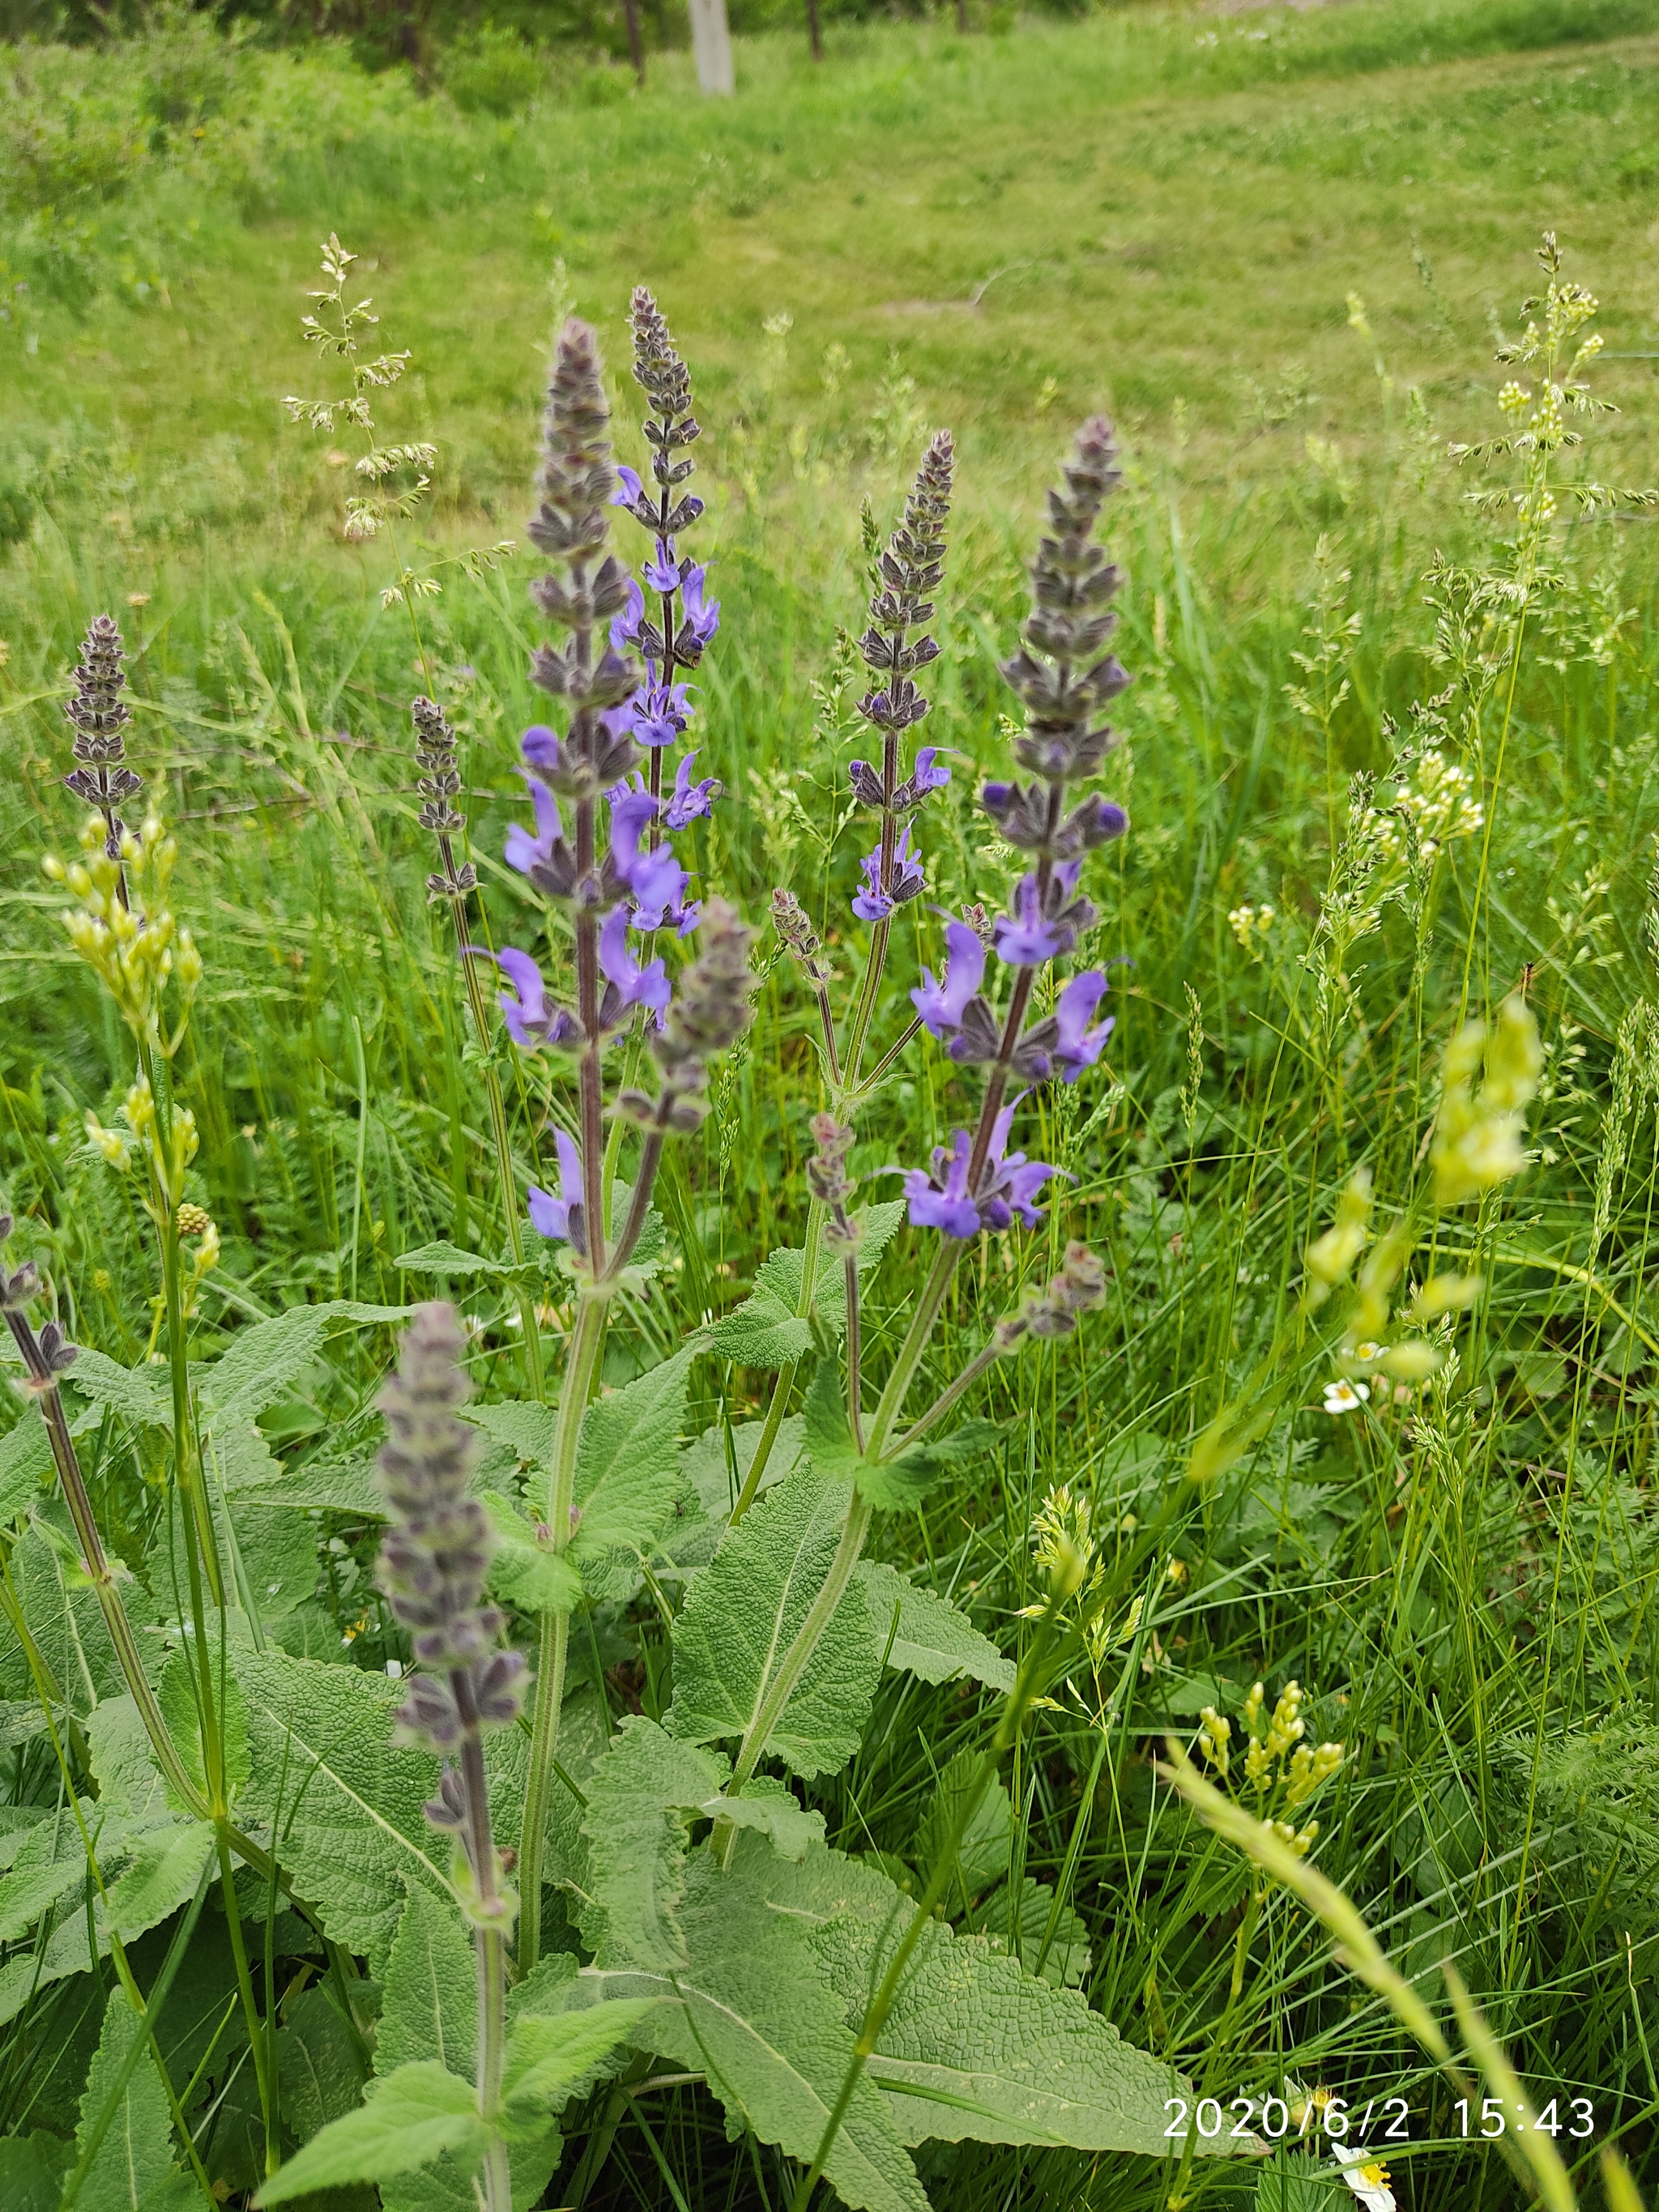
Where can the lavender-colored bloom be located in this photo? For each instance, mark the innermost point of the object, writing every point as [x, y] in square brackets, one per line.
[523, 852]
[660, 712]
[925, 777]
[630, 985]
[531, 1022]
[873, 903]
[625, 627]
[687, 800]
[1077, 1046]
[655, 879]
[702, 619]
[1007, 1187]
[662, 570]
[561, 1217]
[629, 487]
[941, 1005]
[1027, 939]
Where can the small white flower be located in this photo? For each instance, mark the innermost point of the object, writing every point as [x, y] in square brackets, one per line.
[1367, 2177]
[394, 1668]
[1343, 1397]
[1368, 1351]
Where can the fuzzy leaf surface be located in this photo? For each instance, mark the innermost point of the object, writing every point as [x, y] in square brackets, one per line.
[429, 2007]
[549, 2053]
[771, 1807]
[741, 1615]
[892, 1486]
[628, 1473]
[974, 2046]
[407, 2119]
[524, 1570]
[639, 1798]
[134, 2157]
[768, 1329]
[166, 1866]
[752, 2008]
[932, 1639]
[261, 1362]
[346, 1805]
[26, 1467]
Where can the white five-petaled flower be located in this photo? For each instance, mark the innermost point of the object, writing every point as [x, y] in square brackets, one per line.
[1343, 1397]
[1367, 2177]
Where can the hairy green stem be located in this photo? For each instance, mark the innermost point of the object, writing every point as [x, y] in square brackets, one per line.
[581, 1365]
[783, 1382]
[256, 2034]
[928, 1306]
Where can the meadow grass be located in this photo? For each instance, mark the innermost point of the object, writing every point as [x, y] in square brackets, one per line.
[1165, 214]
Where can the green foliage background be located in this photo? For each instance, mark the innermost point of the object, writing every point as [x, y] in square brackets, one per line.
[1160, 212]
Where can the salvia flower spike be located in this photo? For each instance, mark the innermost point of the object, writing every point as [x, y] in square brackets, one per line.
[440, 786]
[98, 716]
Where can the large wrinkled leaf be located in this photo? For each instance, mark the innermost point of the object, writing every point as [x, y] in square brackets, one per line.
[771, 1807]
[180, 1700]
[752, 2009]
[334, 1486]
[890, 1485]
[742, 1613]
[69, 1629]
[26, 1467]
[135, 2156]
[520, 1425]
[317, 2065]
[430, 2005]
[32, 2169]
[549, 2054]
[931, 1638]
[986, 1847]
[166, 1867]
[129, 1780]
[639, 1799]
[444, 1258]
[974, 2046]
[526, 1569]
[768, 1330]
[628, 1473]
[1019, 1920]
[261, 1362]
[143, 1395]
[408, 2119]
[345, 1805]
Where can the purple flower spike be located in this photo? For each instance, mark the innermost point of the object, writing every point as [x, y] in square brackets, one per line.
[561, 1217]
[873, 903]
[524, 852]
[925, 777]
[688, 799]
[630, 984]
[1076, 1045]
[531, 1022]
[656, 879]
[662, 570]
[625, 627]
[702, 620]
[629, 488]
[541, 748]
[941, 1005]
[1007, 1187]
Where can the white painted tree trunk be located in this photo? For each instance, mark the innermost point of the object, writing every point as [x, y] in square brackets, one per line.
[711, 43]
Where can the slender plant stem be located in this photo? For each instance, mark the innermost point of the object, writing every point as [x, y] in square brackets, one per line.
[639, 1204]
[928, 1307]
[867, 1000]
[489, 1947]
[875, 2017]
[256, 2034]
[857, 1097]
[581, 1365]
[854, 1394]
[948, 1397]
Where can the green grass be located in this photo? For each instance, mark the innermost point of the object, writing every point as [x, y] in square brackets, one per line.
[1001, 234]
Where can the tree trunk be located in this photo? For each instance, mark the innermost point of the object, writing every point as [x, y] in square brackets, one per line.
[636, 38]
[711, 43]
[813, 27]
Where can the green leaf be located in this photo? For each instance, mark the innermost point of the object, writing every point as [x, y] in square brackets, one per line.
[974, 2046]
[430, 2005]
[549, 2055]
[766, 1330]
[983, 1855]
[753, 2010]
[524, 1428]
[741, 1614]
[628, 1473]
[524, 1570]
[1019, 1923]
[932, 1638]
[891, 1485]
[444, 1258]
[166, 1865]
[136, 2154]
[41, 1874]
[67, 1624]
[143, 1395]
[129, 1780]
[333, 1486]
[407, 2119]
[638, 1798]
[771, 1807]
[32, 2169]
[177, 1696]
[346, 1805]
[1292, 2183]
[25, 1466]
[261, 1362]
[318, 2070]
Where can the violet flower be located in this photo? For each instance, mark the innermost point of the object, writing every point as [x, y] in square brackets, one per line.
[1007, 1187]
[629, 487]
[702, 619]
[1078, 1046]
[625, 628]
[687, 800]
[662, 571]
[524, 852]
[941, 1005]
[628, 983]
[530, 1021]
[1044, 926]
[873, 903]
[561, 1217]
[660, 712]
